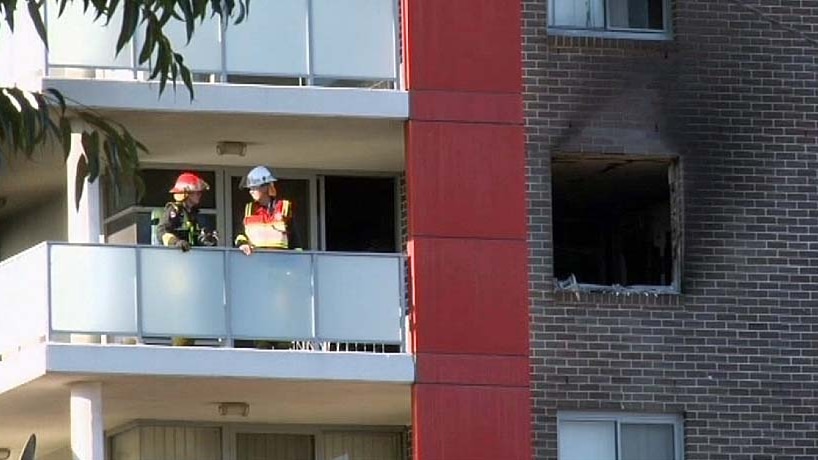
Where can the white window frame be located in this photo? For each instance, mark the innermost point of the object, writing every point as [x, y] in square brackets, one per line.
[619, 418]
[612, 32]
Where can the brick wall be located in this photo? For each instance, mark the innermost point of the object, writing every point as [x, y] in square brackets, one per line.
[734, 97]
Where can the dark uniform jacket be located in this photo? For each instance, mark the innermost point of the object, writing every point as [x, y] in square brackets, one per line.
[179, 223]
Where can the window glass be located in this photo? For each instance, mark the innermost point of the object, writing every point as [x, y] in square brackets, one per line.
[584, 440]
[636, 14]
[352, 227]
[362, 446]
[613, 15]
[612, 436]
[266, 446]
[647, 441]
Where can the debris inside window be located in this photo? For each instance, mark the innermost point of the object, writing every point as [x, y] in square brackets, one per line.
[615, 224]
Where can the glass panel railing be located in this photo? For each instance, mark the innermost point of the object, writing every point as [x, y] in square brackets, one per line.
[271, 295]
[76, 40]
[354, 38]
[24, 299]
[182, 294]
[348, 43]
[202, 54]
[155, 293]
[283, 51]
[93, 289]
[359, 298]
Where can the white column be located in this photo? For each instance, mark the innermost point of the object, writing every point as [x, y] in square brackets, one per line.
[85, 221]
[87, 427]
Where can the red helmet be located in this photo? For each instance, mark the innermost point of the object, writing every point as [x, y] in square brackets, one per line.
[189, 182]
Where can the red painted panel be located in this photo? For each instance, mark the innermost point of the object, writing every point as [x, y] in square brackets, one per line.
[466, 180]
[470, 296]
[470, 423]
[472, 369]
[470, 45]
[503, 108]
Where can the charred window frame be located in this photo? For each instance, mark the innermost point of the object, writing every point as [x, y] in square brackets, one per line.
[617, 224]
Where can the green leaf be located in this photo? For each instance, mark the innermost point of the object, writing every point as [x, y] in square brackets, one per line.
[37, 19]
[59, 97]
[130, 19]
[9, 6]
[189, 18]
[79, 179]
[186, 77]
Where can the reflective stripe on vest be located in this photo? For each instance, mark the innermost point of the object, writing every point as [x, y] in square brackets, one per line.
[267, 231]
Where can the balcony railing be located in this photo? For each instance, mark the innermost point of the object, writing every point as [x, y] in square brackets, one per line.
[54, 290]
[282, 42]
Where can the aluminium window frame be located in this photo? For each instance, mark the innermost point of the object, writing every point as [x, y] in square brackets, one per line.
[618, 418]
[666, 34]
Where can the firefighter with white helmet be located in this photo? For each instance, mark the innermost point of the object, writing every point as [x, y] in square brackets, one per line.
[179, 226]
[267, 220]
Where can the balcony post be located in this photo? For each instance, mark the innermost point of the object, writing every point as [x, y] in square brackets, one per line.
[87, 427]
[85, 214]
[85, 220]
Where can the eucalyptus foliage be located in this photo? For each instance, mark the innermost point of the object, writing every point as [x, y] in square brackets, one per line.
[31, 120]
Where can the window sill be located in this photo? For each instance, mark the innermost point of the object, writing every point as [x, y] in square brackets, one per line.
[568, 291]
[610, 34]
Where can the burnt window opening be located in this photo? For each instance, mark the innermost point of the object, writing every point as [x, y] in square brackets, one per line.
[614, 222]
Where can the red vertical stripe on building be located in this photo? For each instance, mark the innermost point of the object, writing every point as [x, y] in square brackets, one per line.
[465, 172]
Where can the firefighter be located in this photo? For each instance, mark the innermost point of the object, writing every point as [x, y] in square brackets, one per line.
[267, 224]
[179, 226]
[267, 220]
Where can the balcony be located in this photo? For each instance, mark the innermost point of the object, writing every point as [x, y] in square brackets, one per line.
[219, 297]
[337, 43]
[54, 297]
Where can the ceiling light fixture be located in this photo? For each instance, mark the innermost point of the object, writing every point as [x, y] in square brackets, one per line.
[231, 148]
[238, 409]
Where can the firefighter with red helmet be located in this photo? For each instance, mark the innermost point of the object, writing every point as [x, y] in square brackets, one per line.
[179, 226]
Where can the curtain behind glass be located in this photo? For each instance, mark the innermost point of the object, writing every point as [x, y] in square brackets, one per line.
[646, 441]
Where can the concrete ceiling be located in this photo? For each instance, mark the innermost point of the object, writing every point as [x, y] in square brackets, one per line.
[312, 143]
[42, 406]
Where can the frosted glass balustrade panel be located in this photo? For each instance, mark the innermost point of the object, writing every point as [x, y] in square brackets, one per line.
[354, 38]
[75, 39]
[270, 295]
[359, 298]
[203, 54]
[23, 298]
[182, 293]
[271, 40]
[93, 289]
[22, 54]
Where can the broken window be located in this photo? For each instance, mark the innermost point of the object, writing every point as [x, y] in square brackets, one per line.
[615, 222]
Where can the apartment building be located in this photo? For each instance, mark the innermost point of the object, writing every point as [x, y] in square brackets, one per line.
[672, 223]
[396, 130]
